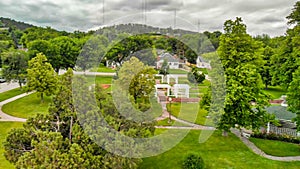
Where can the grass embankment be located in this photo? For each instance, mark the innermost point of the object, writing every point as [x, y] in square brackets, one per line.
[275, 91]
[10, 93]
[217, 152]
[189, 112]
[27, 106]
[277, 148]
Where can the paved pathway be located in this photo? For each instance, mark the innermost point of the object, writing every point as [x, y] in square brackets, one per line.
[246, 141]
[258, 151]
[6, 117]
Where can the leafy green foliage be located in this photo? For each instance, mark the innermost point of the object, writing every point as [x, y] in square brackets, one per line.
[41, 76]
[239, 58]
[58, 139]
[138, 79]
[47, 48]
[39, 33]
[92, 52]
[206, 99]
[286, 59]
[193, 161]
[164, 70]
[68, 51]
[127, 46]
[293, 97]
[294, 17]
[15, 64]
[195, 76]
[265, 71]
[6, 127]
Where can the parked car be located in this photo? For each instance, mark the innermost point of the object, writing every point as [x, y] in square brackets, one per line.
[2, 80]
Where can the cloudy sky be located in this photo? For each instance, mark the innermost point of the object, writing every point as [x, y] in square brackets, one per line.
[260, 16]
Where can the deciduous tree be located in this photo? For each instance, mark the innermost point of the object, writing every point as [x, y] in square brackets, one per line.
[293, 97]
[15, 63]
[243, 83]
[41, 76]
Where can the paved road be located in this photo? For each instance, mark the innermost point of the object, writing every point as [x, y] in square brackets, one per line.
[8, 86]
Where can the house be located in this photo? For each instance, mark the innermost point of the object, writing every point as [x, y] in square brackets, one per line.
[202, 63]
[173, 61]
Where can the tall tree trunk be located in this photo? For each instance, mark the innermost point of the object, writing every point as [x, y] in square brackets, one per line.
[20, 83]
[58, 123]
[57, 70]
[225, 133]
[42, 97]
[70, 133]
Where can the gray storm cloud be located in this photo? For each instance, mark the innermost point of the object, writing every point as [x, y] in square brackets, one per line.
[261, 16]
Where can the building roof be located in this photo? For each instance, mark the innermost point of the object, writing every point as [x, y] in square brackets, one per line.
[201, 59]
[168, 57]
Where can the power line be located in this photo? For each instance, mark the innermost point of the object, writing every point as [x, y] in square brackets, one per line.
[103, 12]
[175, 15]
[198, 25]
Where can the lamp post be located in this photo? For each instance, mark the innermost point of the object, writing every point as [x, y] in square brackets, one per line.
[170, 101]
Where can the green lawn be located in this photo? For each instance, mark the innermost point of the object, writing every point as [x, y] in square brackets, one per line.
[217, 152]
[165, 122]
[27, 106]
[11, 93]
[5, 128]
[277, 148]
[205, 83]
[99, 79]
[203, 70]
[178, 71]
[275, 91]
[103, 69]
[189, 112]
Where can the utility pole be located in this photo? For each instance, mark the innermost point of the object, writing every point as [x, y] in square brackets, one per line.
[198, 25]
[103, 12]
[144, 7]
[175, 15]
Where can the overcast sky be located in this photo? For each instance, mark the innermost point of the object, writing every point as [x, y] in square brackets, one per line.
[260, 16]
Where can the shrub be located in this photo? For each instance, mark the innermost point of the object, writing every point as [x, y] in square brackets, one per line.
[273, 136]
[193, 161]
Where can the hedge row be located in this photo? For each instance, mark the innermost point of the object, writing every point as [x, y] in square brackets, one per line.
[273, 136]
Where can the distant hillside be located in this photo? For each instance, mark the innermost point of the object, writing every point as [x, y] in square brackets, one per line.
[6, 22]
[139, 28]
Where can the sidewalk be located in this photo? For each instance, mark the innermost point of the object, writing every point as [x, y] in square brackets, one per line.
[6, 117]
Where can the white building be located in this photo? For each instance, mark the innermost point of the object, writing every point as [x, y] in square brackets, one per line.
[173, 61]
[202, 63]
